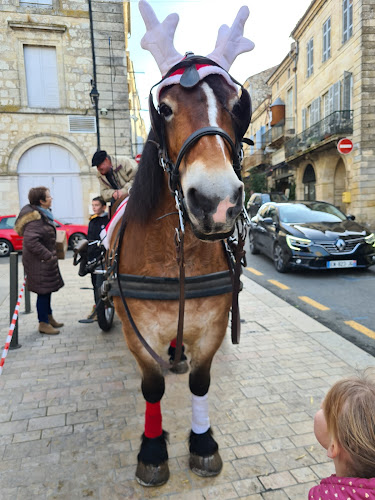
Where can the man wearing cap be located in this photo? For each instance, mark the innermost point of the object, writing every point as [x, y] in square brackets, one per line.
[114, 182]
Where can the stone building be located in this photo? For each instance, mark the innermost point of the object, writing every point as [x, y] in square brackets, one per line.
[326, 87]
[55, 56]
[260, 93]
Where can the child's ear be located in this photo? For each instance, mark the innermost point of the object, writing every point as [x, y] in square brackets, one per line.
[333, 449]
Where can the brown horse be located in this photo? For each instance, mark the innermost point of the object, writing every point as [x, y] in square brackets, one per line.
[212, 200]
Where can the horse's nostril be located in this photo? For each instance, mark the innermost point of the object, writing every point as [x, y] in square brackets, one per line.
[198, 202]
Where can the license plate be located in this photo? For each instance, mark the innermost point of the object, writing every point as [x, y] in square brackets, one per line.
[341, 263]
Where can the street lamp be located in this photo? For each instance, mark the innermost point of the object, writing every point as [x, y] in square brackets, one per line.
[94, 97]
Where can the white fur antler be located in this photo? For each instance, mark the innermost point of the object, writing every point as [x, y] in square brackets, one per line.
[159, 37]
[231, 42]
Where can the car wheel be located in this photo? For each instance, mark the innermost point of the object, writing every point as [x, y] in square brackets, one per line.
[252, 245]
[280, 259]
[5, 248]
[75, 238]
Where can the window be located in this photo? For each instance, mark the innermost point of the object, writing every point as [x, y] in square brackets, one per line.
[310, 57]
[7, 222]
[315, 111]
[332, 99]
[37, 3]
[327, 40]
[347, 21]
[41, 77]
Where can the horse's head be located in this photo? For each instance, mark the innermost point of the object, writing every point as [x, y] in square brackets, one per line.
[200, 123]
[213, 192]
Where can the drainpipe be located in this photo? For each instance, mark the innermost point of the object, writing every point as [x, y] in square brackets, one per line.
[295, 89]
[94, 94]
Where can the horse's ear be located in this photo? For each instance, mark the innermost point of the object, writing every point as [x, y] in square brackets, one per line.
[156, 119]
[242, 112]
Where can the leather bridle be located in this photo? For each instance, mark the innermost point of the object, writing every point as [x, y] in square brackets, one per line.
[158, 125]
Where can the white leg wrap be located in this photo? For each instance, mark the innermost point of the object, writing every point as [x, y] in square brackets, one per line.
[200, 422]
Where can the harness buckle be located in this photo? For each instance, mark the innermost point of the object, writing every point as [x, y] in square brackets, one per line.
[162, 162]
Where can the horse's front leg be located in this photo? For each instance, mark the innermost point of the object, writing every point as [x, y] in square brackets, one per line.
[204, 451]
[152, 468]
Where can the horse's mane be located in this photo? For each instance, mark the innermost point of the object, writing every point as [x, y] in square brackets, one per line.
[145, 192]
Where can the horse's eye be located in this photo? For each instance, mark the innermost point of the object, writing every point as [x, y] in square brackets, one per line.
[165, 110]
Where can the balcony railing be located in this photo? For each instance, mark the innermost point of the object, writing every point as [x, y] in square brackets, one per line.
[257, 158]
[337, 123]
[279, 131]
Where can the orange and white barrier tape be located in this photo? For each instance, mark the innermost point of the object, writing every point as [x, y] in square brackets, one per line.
[11, 328]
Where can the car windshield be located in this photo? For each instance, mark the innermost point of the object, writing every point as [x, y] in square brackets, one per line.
[313, 212]
[277, 197]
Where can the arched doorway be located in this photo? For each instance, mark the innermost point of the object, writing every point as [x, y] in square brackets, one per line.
[340, 185]
[56, 168]
[309, 181]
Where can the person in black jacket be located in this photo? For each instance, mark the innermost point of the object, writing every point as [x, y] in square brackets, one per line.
[98, 221]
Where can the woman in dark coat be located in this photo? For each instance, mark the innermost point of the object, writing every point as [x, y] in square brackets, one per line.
[35, 224]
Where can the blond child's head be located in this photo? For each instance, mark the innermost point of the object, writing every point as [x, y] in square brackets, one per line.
[345, 425]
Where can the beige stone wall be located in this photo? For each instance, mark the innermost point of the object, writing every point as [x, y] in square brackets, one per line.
[66, 27]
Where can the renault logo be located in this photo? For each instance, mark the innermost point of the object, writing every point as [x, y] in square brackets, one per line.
[340, 244]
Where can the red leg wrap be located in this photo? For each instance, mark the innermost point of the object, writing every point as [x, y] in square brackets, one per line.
[153, 427]
[174, 342]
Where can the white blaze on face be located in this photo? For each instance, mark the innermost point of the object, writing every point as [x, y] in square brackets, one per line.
[212, 112]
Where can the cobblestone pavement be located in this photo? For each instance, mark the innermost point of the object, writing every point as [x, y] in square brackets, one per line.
[72, 412]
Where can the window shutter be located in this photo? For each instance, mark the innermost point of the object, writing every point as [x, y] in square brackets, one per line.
[347, 91]
[252, 147]
[41, 77]
[336, 96]
[304, 112]
[258, 139]
[51, 86]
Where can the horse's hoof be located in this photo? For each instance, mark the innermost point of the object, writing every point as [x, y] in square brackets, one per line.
[181, 367]
[206, 466]
[152, 475]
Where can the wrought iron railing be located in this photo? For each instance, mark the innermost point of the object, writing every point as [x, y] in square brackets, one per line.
[337, 123]
[281, 129]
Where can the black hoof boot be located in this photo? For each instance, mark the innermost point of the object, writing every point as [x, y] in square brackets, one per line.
[182, 366]
[152, 468]
[205, 460]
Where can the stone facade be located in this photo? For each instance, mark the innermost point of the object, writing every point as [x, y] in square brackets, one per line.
[65, 26]
[329, 100]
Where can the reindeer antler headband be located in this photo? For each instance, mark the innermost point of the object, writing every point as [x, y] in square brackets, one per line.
[159, 40]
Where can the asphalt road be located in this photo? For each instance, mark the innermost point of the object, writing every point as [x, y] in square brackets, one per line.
[342, 299]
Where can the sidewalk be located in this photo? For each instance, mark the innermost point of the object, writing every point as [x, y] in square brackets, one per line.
[72, 412]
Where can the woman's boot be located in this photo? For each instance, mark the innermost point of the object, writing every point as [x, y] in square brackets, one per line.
[47, 328]
[53, 322]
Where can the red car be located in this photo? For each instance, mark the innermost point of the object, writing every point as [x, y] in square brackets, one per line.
[10, 241]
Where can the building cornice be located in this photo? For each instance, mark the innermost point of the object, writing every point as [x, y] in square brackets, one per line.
[57, 28]
[307, 18]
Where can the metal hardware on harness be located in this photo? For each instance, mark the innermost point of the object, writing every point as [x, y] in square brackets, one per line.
[246, 217]
[180, 211]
